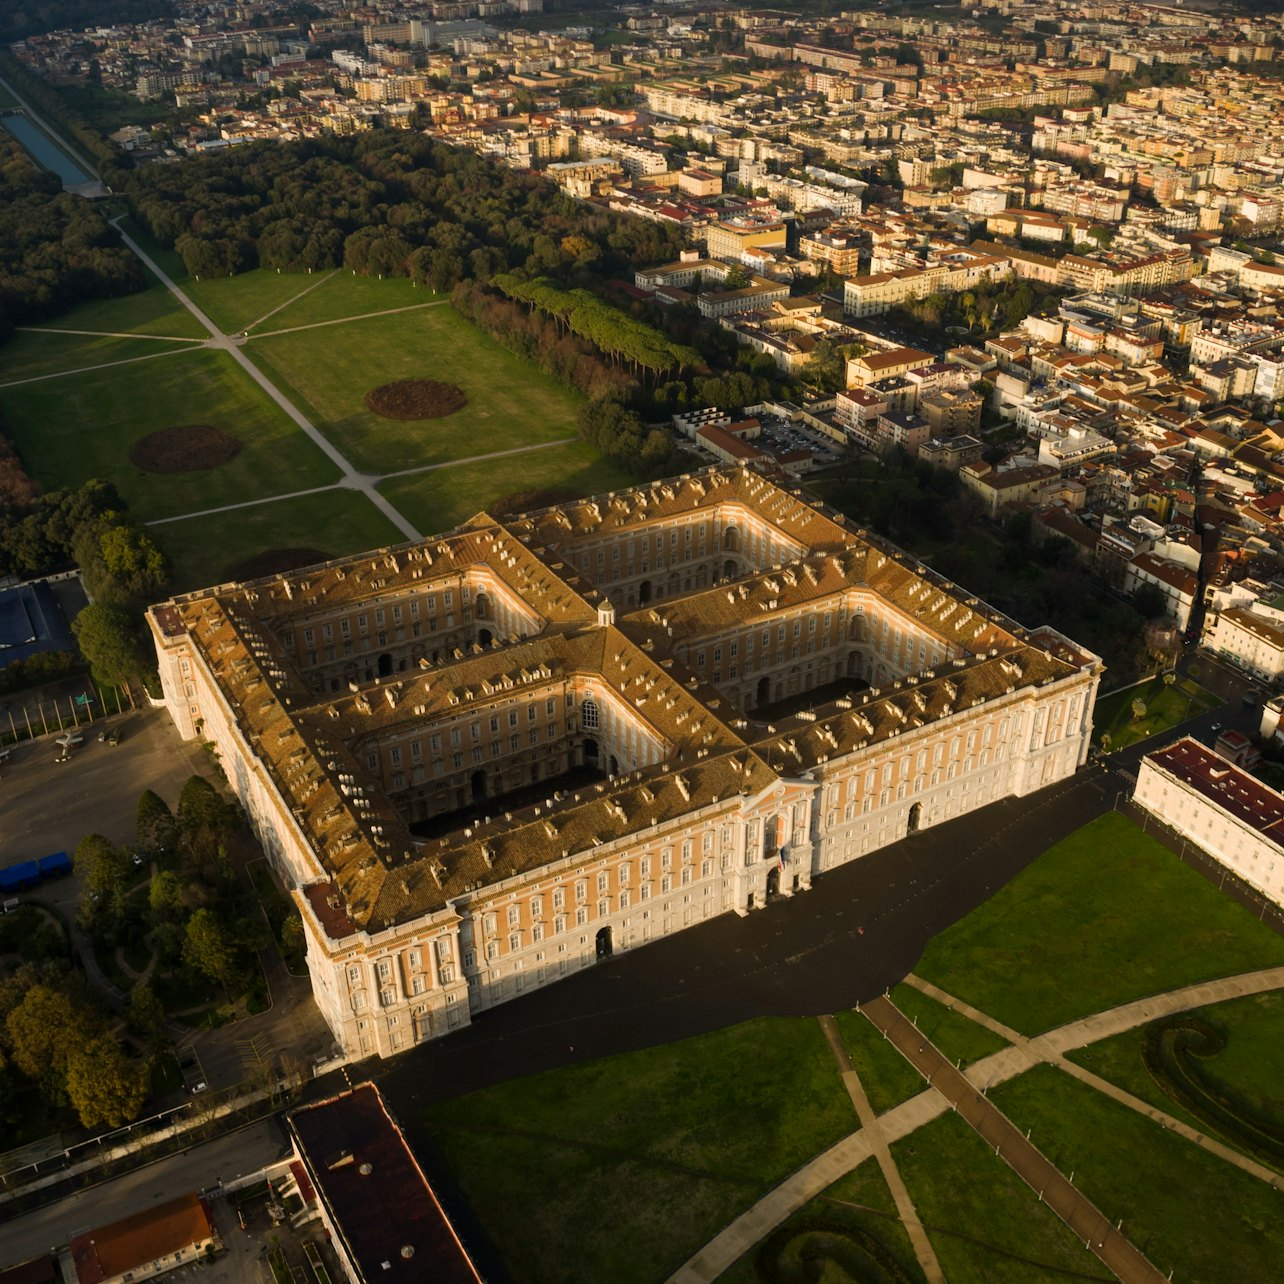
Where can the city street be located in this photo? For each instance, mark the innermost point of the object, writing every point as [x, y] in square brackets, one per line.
[225, 1159]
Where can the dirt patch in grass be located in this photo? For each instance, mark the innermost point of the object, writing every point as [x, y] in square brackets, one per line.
[276, 561]
[416, 399]
[184, 448]
[521, 501]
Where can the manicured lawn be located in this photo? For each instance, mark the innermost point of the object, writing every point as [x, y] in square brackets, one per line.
[1166, 706]
[154, 311]
[847, 1233]
[31, 355]
[339, 295]
[69, 430]
[620, 1169]
[1252, 1062]
[1001, 1234]
[958, 1037]
[204, 550]
[1187, 1210]
[328, 371]
[1106, 916]
[234, 303]
[444, 497]
[888, 1079]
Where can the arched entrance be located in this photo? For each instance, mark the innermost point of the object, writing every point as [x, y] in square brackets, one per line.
[644, 592]
[729, 569]
[605, 946]
[773, 883]
[385, 665]
[485, 637]
[615, 766]
[590, 751]
[479, 786]
[764, 693]
[915, 814]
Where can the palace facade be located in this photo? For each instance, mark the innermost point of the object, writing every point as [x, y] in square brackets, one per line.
[486, 759]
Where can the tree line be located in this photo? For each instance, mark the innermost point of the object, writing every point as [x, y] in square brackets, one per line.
[387, 203]
[56, 249]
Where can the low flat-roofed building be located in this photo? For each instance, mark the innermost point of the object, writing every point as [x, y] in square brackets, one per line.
[1231, 815]
[384, 1219]
[144, 1245]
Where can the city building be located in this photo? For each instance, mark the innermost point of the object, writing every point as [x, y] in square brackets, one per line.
[384, 1220]
[487, 758]
[1219, 807]
[145, 1245]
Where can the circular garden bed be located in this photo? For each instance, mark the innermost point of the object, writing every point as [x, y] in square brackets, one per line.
[184, 448]
[416, 399]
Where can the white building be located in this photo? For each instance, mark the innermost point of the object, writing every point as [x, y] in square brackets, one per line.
[1225, 811]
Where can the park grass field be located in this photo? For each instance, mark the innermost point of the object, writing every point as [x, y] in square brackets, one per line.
[72, 429]
[1251, 1063]
[886, 1077]
[986, 1225]
[204, 550]
[1106, 916]
[327, 371]
[961, 1039]
[846, 1233]
[46, 354]
[1166, 706]
[444, 497]
[621, 1168]
[341, 296]
[1188, 1210]
[153, 311]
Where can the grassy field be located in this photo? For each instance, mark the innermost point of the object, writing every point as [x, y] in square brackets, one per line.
[621, 1168]
[888, 1079]
[1106, 916]
[44, 354]
[1166, 706]
[204, 550]
[1187, 1210]
[69, 430]
[340, 296]
[153, 311]
[1001, 1234]
[444, 497]
[845, 1234]
[1252, 1061]
[957, 1036]
[328, 371]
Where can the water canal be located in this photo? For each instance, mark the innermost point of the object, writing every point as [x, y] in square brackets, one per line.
[43, 150]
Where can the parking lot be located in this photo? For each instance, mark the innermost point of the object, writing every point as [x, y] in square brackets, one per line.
[49, 805]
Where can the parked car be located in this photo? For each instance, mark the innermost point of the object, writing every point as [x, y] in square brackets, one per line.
[113, 736]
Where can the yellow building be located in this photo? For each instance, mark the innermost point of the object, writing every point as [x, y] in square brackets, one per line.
[485, 759]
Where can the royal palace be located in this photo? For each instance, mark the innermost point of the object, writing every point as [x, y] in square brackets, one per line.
[486, 759]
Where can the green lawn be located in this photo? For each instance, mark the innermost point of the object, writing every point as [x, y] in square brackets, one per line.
[622, 1168]
[33, 354]
[1252, 1062]
[1166, 706]
[1187, 1210]
[999, 1233]
[444, 497]
[69, 430]
[957, 1036]
[1106, 916]
[328, 371]
[888, 1079]
[153, 311]
[847, 1233]
[205, 550]
[234, 303]
[341, 295]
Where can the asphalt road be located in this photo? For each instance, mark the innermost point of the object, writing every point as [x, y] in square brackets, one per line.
[226, 1158]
